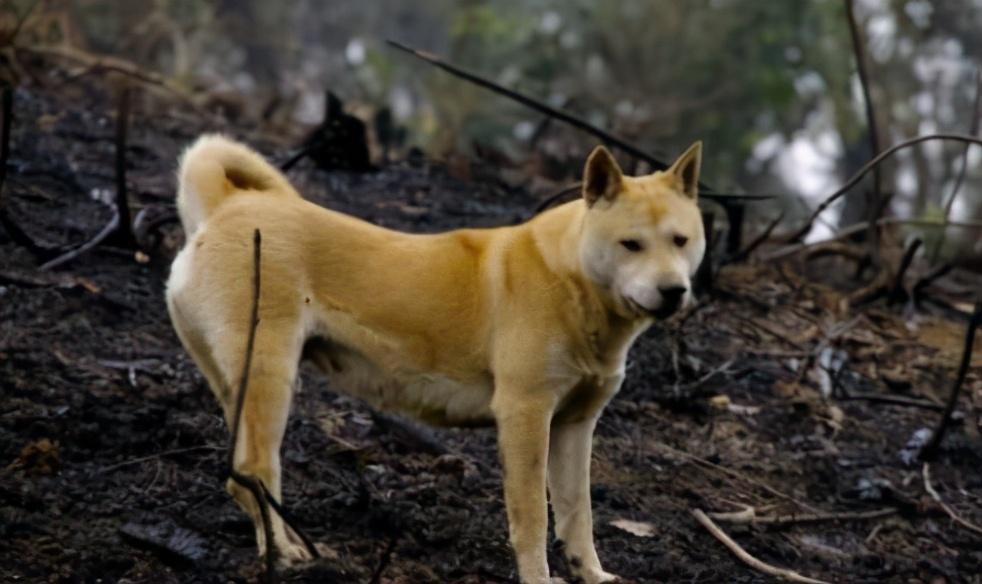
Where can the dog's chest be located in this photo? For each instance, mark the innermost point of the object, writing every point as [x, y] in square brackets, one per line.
[434, 398]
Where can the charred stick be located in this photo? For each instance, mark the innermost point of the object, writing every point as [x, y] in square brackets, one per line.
[557, 197]
[857, 227]
[562, 116]
[704, 273]
[13, 229]
[124, 229]
[734, 232]
[538, 106]
[897, 292]
[120, 228]
[7, 105]
[69, 255]
[919, 288]
[960, 179]
[807, 226]
[264, 499]
[749, 516]
[896, 400]
[251, 483]
[757, 242]
[385, 559]
[745, 557]
[257, 240]
[930, 451]
[875, 202]
[926, 473]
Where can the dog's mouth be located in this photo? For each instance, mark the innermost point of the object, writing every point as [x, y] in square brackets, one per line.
[662, 312]
[635, 308]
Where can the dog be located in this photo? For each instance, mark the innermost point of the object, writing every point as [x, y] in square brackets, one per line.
[527, 326]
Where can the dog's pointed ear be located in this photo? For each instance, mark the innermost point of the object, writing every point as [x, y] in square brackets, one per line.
[602, 177]
[686, 168]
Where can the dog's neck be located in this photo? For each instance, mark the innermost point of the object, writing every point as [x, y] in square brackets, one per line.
[557, 235]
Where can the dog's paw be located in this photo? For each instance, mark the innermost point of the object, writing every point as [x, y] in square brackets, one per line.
[599, 577]
[292, 556]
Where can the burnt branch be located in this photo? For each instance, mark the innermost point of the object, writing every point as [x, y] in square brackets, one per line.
[71, 254]
[124, 229]
[960, 178]
[576, 122]
[119, 230]
[264, 499]
[538, 106]
[757, 242]
[930, 451]
[897, 292]
[16, 233]
[919, 291]
[875, 201]
[866, 168]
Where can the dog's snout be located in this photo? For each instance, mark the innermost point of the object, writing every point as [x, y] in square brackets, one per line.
[672, 295]
[671, 300]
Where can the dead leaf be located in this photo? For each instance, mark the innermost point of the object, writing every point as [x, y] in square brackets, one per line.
[638, 528]
[38, 457]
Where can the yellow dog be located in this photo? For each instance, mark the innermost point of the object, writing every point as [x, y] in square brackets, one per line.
[527, 327]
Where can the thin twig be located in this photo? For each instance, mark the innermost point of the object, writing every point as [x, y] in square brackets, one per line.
[71, 254]
[253, 484]
[158, 456]
[18, 235]
[921, 285]
[931, 449]
[896, 400]
[119, 230]
[21, 20]
[960, 179]
[855, 178]
[558, 196]
[264, 499]
[875, 202]
[746, 558]
[740, 476]
[857, 227]
[538, 106]
[111, 64]
[749, 516]
[563, 116]
[124, 228]
[897, 292]
[947, 508]
[757, 242]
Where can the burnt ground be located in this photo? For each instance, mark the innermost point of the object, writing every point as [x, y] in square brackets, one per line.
[112, 447]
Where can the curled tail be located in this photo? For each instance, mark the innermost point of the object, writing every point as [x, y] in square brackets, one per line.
[215, 168]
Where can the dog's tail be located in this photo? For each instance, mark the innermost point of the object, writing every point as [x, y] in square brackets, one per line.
[216, 167]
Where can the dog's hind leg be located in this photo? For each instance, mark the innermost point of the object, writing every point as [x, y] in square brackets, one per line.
[276, 356]
[265, 412]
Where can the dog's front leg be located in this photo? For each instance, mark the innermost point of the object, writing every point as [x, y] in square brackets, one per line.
[569, 491]
[523, 437]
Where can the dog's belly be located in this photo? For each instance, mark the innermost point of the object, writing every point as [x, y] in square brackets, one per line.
[433, 398]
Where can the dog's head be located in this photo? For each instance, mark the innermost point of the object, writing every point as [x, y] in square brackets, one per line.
[642, 236]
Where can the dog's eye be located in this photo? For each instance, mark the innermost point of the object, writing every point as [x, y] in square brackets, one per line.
[631, 244]
[680, 240]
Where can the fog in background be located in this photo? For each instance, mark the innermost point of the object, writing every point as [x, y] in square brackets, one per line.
[770, 87]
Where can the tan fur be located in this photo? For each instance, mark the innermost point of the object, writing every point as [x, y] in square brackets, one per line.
[527, 327]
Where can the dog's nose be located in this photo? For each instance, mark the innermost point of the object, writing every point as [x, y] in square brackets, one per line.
[671, 297]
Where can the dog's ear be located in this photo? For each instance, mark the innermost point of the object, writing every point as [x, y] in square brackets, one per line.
[686, 168]
[602, 177]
